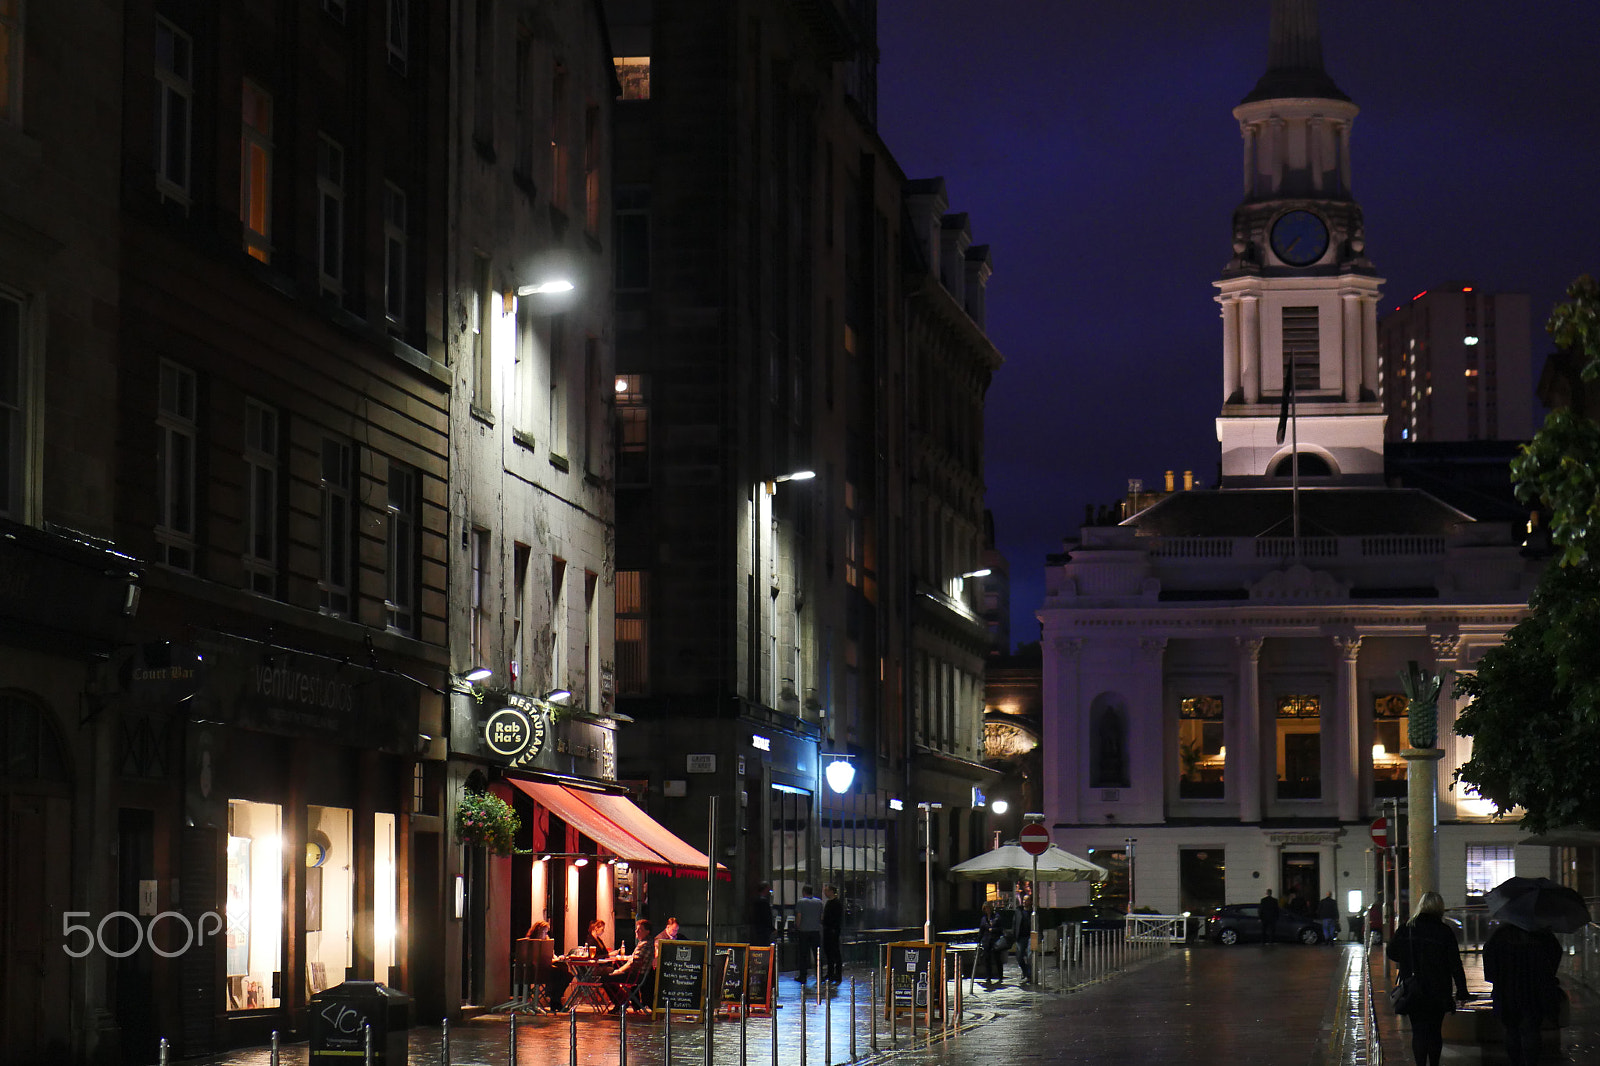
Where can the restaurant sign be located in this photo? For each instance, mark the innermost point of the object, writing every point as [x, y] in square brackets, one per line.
[517, 731]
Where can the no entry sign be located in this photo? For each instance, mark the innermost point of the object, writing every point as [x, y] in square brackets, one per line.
[1034, 838]
[1380, 832]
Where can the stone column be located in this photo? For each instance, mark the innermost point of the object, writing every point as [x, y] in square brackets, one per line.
[1230, 348]
[1315, 158]
[1242, 768]
[1250, 347]
[1421, 790]
[1446, 648]
[1249, 133]
[1350, 340]
[1277, 154]
[1369, 344]
[1344, 157]
[1346, 737]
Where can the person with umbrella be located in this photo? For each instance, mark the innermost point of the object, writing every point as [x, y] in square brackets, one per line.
[1521, 957]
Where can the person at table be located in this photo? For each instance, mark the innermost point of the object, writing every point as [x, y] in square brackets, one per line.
[595, 943]
[671, 931]
[620, 981]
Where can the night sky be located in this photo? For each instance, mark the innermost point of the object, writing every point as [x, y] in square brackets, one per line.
[1094, 148]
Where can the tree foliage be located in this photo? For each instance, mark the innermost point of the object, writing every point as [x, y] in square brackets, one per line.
[1534, 714]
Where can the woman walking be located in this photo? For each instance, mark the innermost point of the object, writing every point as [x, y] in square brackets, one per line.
[1426, 949]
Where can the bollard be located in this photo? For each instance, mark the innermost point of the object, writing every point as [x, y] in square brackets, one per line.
[668, 1039]
[444, 1042]
[852, 1020]
[802, 1027]
[744, 1019]
[161, 1053]
[274, 1056]
[513, 1031]
[958, 1000]
[827, 1032]
[572, 1038]
[622, 1036]
[366, 1042]
[872, 1011]
[773, 1014]
[820, 981]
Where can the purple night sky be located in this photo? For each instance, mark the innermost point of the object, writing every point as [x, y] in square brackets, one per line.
[1094, 147]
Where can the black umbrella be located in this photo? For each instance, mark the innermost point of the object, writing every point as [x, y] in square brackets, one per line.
[1537, 903]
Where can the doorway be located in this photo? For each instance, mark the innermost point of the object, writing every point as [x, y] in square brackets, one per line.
[1301, 878]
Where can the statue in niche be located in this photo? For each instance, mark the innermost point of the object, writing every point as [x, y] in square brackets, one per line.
[1110, 766]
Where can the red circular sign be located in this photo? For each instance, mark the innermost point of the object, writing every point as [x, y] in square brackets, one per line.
[1380, 832]
[1034, 838]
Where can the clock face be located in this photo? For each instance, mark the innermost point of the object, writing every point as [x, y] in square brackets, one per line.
[1299, 238]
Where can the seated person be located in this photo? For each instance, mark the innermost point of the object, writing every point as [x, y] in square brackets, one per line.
[671, 931]
[539, 930]
[595, 942]
[620, 981]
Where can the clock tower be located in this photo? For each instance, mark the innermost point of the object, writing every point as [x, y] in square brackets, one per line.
[1299, 296]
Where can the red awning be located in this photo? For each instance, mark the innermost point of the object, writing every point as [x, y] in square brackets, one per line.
[621, 828]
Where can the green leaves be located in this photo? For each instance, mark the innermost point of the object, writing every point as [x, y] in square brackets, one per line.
[485, 820]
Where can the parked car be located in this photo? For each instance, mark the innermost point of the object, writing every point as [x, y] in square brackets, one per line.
[1238, 922]
[1091, 916]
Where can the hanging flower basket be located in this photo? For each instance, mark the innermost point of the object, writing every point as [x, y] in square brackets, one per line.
[487, 821]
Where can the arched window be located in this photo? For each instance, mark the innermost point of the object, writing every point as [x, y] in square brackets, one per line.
[1108, 742]
[1311, 465]
[30, 749]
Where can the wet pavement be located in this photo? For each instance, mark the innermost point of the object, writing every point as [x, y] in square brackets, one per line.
[1202, 1005]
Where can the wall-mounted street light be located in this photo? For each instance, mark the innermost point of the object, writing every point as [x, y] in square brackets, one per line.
[550, 285]
[999, 806]
[557, 695]
[985, 572]
[798, 475]
[476, 674]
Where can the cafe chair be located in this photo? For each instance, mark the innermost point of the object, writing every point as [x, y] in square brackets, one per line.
[639, 993]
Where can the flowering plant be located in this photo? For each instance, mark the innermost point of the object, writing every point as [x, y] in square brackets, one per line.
[485, 820]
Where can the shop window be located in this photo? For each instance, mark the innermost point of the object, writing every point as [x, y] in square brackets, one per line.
[1299, 744]
[330, 897]
[791, 851]
[255, 905]
[1390, 724]
[1202, 879]
[1113, 891]
[1200, 749]
[385, 885]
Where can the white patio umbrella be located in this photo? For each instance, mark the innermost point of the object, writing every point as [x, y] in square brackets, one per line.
[1010, 863]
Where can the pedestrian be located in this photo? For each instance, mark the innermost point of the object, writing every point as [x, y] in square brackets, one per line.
[1268, 911]
[1328, 911]
[759, 917]
[1022, 930]
[1426, 948]
[832, 927]
[990, 953]
[808, 925]
[1521, 965]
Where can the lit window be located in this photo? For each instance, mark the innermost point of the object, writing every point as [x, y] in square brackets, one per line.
[175, 461]
[633, 430]
[1487, 866]
[174, 72]
[261, 476]
[254, 908]
[633, 629]
[255, 172]
[633, 73]
[1299, 754]
[1200, 747]
[330, 216]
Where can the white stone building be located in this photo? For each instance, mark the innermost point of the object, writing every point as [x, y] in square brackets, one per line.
[1222, 668]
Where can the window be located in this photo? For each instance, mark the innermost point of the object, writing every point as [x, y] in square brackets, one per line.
[479, 635]
[403, 559]
[1390, 736]
[255, 171]
[591, 642]
[176, 430]
[482, 337]
[522, 163]
[521, 555]
[1487, 866]
[558, 623]
[338, 525]
[174, 70]
[13, 408]
[591, 169]
[399, 33]
[483, 76]
[852, 536]
[261, 485]
[631, 239]
[592, 409]
[524, 374]
[394, 254]
[330, 216]
[559, 149]
[1299, 755]
[633, 73]
[1302, 347]
[1108, 743]
[255, 904]
[10, 61]
[558, 386]
[632, 430]
[1200, 749]
[633, 633]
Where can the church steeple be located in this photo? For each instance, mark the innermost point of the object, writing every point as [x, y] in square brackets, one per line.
[1294, 56]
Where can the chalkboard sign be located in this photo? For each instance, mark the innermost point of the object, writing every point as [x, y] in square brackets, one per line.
[732, 957]
[680, 976]
[912, 972]
[758, 978]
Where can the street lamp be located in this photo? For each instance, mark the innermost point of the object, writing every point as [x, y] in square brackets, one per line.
[550, 285]
[927, 810]
[840, 773]
[999, 806]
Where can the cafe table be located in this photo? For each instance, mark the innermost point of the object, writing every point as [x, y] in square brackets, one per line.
[588, 986]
